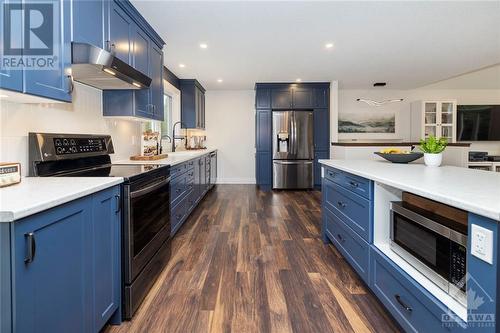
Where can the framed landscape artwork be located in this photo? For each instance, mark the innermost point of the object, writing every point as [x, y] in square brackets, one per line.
[364, 125]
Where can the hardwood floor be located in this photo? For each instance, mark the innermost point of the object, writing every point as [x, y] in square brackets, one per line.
[253, 261]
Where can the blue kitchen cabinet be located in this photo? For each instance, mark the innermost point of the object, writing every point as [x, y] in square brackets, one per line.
[192, 104]
[322, 96]
[281, 98]
[303, 97]
[263, 98]
[319, 155]
[66, 266]
[156, 89]
[106, 259]
[92, 31]
[55, 83]
[52, 256]
[12, 79]
[264, 171]
[141, 62]
[321, 129]
[263, 130]
[121, 26]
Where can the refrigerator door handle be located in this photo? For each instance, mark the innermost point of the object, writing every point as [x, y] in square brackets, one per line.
[292, 162]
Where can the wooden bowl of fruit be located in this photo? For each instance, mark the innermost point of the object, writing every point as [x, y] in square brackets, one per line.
[396, 155]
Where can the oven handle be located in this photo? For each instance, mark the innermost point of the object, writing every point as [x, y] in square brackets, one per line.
[149, 189]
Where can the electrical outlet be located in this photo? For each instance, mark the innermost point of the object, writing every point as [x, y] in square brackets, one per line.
[482, 243]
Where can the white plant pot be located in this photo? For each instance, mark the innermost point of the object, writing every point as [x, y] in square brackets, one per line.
[433, 160]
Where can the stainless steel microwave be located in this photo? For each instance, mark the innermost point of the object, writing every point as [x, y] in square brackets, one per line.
[431, 245]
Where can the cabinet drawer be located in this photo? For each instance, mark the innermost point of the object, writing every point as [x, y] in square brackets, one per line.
[413, 307]
[354, 249]
[179, 186]
[178, 169]
[354, 210]
[358, 185]
[334, 175]
[190, 164]
[178, 214]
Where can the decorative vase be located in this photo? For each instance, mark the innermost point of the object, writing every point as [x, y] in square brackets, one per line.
[433, 160]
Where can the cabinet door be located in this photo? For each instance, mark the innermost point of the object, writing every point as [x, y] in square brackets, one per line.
[447, 120]
[197, 179]
[53, 290]
[303, 98]
[106, 240]
[263, 98]
[322, 97]
[92, 31]
[263, 167]
[263, 130]
[430, 119]
[140, 57]
[203, 177]
[120, 31]
[281, 98]
[12, 79]
[321, 129]
[55, 82]
[319, 155]
[156, 74]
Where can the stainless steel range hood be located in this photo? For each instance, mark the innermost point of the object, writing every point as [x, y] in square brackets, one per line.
[99, 68]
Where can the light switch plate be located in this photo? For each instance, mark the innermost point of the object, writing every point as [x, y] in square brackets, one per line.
[482, 243]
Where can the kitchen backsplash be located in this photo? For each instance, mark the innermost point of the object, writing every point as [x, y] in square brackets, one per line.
[84, 115]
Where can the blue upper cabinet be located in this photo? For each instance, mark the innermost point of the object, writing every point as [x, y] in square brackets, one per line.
[192, 104]
[281, 98]
[94, 31]
[303, 98]
[263, 98]
[56, 82]
[120, 32]
[322, 97]
[135, 42]
[263, 130]
[12, 79]
[156, 64]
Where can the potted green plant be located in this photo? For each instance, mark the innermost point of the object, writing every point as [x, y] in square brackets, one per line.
[433, 148]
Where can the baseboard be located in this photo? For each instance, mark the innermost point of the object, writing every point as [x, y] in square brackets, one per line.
[250, 181]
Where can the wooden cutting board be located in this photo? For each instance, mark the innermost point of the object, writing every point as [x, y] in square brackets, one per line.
[148, 158]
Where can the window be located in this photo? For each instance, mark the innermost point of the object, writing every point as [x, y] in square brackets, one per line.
[164, 127]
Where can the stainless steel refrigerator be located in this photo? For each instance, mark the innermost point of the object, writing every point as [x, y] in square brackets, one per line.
[293, 150]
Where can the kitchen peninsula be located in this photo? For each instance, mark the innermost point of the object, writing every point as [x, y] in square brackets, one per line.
[449, 279]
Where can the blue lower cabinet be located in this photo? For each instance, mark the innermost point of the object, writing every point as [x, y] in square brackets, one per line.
[66, 266]
[353, 210]
[415, 309]
[264, 172]
[52, 258]
[354, 249]
[106, 241]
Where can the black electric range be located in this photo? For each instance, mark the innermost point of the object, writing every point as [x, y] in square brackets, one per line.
[145, 199]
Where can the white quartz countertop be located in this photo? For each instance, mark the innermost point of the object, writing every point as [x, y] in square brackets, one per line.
[173, 158]
[475, 191]
[36, 194]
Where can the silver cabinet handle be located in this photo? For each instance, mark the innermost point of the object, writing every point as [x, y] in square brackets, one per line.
[341, 204]
[354, 184]
[71, 86]
[31, 247]
[118, 204]
[406, 307]
[149, 189]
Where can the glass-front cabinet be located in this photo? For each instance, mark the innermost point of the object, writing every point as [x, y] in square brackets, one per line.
[436, 118]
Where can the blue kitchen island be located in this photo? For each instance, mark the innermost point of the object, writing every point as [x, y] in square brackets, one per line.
[431, 276]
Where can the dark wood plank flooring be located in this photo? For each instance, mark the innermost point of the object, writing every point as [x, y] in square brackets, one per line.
[253, 261]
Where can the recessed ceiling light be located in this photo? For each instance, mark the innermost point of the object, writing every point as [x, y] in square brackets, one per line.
[219, 80]
[329, 45]
[182, 65]
[203, 45]
[298, 80]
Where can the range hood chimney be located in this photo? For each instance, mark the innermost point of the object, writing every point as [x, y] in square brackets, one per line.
[100, 69]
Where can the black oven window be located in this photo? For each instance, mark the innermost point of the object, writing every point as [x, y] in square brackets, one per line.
[150, 214]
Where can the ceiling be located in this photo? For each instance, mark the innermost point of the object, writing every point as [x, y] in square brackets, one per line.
[406, 44]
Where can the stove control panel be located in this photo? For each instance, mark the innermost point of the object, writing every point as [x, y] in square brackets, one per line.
[66, 146]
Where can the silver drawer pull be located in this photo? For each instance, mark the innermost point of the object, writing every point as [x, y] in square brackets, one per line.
[354, 184]
[341, 204]
[340, 238]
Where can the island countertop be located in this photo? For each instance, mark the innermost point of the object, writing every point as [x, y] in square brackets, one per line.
[475, 191]
[36, 194]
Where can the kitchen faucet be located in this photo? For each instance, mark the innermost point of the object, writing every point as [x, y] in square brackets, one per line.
[179, 138]
[161, 139]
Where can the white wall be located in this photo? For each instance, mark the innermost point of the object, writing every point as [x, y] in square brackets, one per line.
[230, 127]
[84, 115]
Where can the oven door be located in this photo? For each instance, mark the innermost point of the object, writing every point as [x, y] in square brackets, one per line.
[146, 223]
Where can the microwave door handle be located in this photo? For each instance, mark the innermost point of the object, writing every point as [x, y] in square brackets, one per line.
[149, 189]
